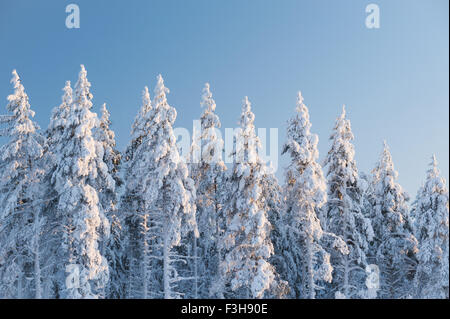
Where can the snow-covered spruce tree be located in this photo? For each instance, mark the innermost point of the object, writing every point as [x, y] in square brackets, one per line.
[112, 248]
[79, 170]
[111, 157]
[246, 246]
[21, 219]
[55, 139]
[343, 215]
[431, 229]
[188, 247]
[58, 119]
[171, 200]
[138, 270]
[168, 198]
[395, 245]
[273, 194]
[206, 168]
[140, 127]
[307, 261]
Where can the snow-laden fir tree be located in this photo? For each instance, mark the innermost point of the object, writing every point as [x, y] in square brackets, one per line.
[307, 261]
[21, 221]
[113, 247]
[395, 245]
[138, 266]
[343, 214]
[58, 119]
[111, 157]
[140, 127]
[273, 195]
[80, 169]
[189, 247]
[206, 168]
[168, 198]
[431, 213]
[246, 247]
[55, 138]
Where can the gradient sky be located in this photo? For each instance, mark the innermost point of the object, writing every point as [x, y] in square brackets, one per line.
[393, 80]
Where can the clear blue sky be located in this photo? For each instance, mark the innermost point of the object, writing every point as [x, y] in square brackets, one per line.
[394, 80]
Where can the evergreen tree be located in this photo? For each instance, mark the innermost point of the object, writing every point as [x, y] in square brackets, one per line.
[307, 261]
[245, 269]
[58, 119]
[111, 157]
[395, 245]
[343, 214]
[206, 168]
[140, 127]
[137, 268]
[21, 218]
[113, 247]
[273, 194]
[168, 199]
[431, 228]
[79, 170]
[54, 229]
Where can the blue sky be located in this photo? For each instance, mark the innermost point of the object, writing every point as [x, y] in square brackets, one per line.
[393, 80]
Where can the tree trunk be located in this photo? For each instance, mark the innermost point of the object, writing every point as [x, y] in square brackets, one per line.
[166, 265]
[145, 260]
[37, 265]
[195, 268]
[311, 290]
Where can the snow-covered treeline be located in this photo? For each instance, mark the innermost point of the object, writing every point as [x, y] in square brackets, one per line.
[79, 219]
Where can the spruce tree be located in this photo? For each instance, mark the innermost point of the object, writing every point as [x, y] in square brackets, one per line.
[54, 228]
[21, 220]
[307, 262]
[245, 270]
[133, 211]
[113, 246]
[111, 157]
[395, 245]
[58, 119]
[78, 172]
[206, 168]
[343, 213]
[431, 229]
[168, 199]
